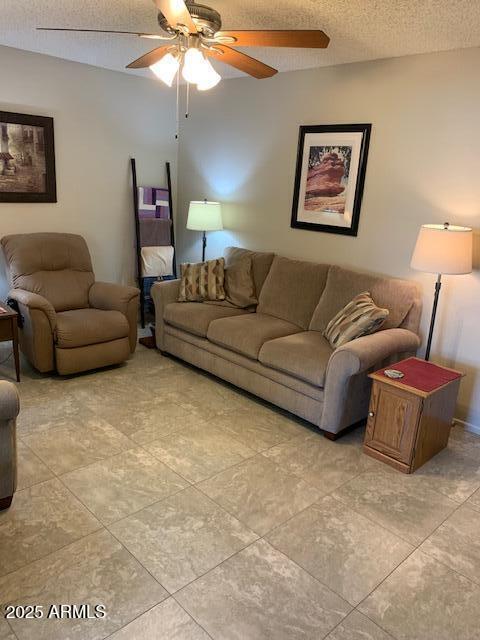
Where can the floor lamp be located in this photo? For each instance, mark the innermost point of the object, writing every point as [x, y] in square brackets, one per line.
[442, 249]
[204, 216]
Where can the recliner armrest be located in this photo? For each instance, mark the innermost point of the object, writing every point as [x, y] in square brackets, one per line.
[117, 297]
[9, 401]
[111, 297]
[35, 301]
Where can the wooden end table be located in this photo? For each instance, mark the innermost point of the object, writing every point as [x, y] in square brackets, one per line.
[410, 418]
[9, 331]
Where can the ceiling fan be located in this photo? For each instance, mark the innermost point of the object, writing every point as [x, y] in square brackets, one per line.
[193, 34]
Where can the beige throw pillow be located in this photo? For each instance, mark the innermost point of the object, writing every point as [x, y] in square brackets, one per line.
[360, 317]
[239, 284]
[202, 281]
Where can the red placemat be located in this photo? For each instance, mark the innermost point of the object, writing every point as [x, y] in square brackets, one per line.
[422, 375]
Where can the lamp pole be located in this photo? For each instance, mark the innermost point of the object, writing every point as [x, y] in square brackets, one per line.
[204, 238]
[438, 286]
[204, 245]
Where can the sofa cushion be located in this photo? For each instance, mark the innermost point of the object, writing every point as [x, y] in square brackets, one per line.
[303, 355]
[261, 263]
[343, 285]
[83, 327]
[195, 317]
[292, 290]
[247, 333]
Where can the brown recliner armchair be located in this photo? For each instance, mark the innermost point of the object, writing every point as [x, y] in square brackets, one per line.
[69, 322]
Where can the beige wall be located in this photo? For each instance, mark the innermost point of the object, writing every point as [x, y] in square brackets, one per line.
[102, 118]
[239, 146]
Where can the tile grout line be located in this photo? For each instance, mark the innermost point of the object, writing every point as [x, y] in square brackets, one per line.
[106, 526]
[194, 485]
[414, 546]
[473, 582]
[12, 631]
[170, 594]
[103, 526]
[20, 439]
[133, 513]
[415, 549]
[228, 510]
[136, 560]
[51, 553]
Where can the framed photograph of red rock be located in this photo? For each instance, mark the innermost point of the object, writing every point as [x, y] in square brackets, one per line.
[329, 179]
[27, 158]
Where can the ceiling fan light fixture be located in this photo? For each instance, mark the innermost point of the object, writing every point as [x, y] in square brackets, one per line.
[209, 77]
[193, 65]
[166, 68]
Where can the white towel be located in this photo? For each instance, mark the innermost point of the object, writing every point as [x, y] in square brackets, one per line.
[157, 261]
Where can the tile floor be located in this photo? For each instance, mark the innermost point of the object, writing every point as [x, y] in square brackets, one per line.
[192, 511]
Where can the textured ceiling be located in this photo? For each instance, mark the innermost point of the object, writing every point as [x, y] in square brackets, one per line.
[359, 29]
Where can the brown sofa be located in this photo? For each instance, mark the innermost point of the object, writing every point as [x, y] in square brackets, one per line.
[277, 351]
[9, 408]
[69, 322]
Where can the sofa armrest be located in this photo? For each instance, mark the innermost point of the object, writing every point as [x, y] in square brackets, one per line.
[35, 301]
[163, 293]
[346, 392]
[116, 297]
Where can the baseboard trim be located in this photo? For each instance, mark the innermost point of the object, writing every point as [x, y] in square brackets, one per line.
[468, 426]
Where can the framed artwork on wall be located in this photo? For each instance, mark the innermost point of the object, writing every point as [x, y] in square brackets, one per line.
[329, 179]
[27, 158]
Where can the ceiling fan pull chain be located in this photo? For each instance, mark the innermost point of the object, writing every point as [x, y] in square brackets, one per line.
[188, 100]
[177, 123]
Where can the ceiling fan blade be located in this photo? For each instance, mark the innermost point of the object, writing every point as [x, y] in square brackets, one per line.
[176, 12]
[308, 39]
[149, 58]
[241, 61]
[153, 36]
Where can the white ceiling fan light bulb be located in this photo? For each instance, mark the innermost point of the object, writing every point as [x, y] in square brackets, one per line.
[166, 68]
[193, 65]
[209, 78]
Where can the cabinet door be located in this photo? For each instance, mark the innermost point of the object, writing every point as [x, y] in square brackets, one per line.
[392, 422]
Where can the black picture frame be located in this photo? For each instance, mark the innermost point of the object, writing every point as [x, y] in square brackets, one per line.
[360, 168]
[49, 194]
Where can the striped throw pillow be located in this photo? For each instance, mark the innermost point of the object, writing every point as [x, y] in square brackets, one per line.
[202, 281]
[360, 317]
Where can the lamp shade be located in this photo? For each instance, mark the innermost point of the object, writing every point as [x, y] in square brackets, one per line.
[443, 249]
[204, 216]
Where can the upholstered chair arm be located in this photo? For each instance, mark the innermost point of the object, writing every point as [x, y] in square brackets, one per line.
[163, 293]
[38, 326]
[347, 388]
[35, 301]
[116, 297]
[9, 408]
[112, 297]
[9, 401]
